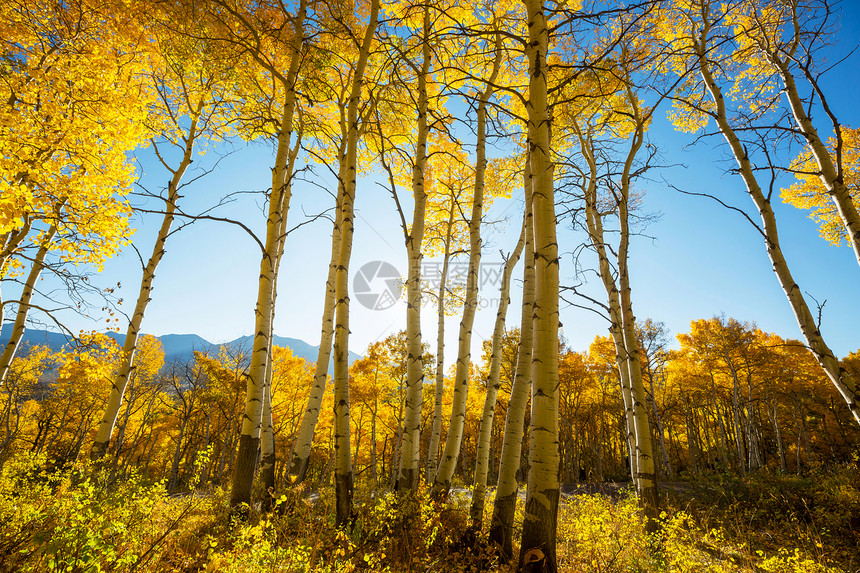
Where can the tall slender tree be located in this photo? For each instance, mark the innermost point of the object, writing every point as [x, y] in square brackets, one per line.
[191, 106]
[343, 461]
[701, 47]
[483, 448]
[408, 474]
[249, 33]
[447, 236]
[537, 549]
[447, 465]
[504, 508]
[784, 39]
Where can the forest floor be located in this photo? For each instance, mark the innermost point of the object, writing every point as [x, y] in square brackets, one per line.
[614, 490]
[79, 520]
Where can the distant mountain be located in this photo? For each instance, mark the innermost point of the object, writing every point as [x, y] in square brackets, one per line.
[177, 347]
[299, 348]
[180, 347]
[53, 340]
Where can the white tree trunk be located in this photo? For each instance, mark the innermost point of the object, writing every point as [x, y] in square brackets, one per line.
[482, 455]
[279, 202]
[343, 462]
[537, 549]
[408, 473]
[144, 296]
[504, 508]
[841, 379]
[436, 428]
[24, 305]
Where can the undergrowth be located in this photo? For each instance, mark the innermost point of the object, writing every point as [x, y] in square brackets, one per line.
[78, 520]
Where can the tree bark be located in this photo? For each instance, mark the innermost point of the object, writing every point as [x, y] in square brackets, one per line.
[279, 200]
[343, 476]
[267, 445]
[267, 435]
[646, 475]
[456, 424]
[408, 472]
[144, 296]
[502, 524]
[436, 428]
[305, 435]
[482, 461]
[830, 174]
[24, 304]
[538, 545]
[594, 224]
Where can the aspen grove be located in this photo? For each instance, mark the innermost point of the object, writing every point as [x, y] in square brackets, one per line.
[506, 156]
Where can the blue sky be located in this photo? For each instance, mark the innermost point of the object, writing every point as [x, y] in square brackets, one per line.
[703, 260]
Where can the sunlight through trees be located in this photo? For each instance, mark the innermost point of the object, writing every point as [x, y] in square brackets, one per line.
[533, 128]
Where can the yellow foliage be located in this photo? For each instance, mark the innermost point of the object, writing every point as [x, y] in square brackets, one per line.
[810, 193]
[73, 107]
[93, 362]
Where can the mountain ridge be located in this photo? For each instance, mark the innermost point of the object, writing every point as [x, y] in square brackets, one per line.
[177, 347]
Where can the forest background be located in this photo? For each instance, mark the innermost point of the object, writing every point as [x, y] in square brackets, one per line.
[250, 111]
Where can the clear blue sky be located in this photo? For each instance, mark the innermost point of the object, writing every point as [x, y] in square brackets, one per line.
[703, 260]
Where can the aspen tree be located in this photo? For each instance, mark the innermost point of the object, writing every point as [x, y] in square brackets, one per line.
[81, 373]
[652, 341]
[727, 348]
[448, 464]
[118, 385]
[537, 549]
[808, 193]
[278, 208]
[717, 351]
[594, 226]
[504, 508]
[372, 378]
[267, 447]
[267, 433]
[301, 451]
[305, 435]
[701, 45]
[623, 328]
[142, 385]
[482, 461]
[620, 114]
[186, 86]
[645, 473]
[343, 461]
[21, 382]
[408, 472]
[24, 302]
[62, 168]
[53, 163]
[185, 384]
[436, 427]
[266, 437]
[761, 27]
[445, 230]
